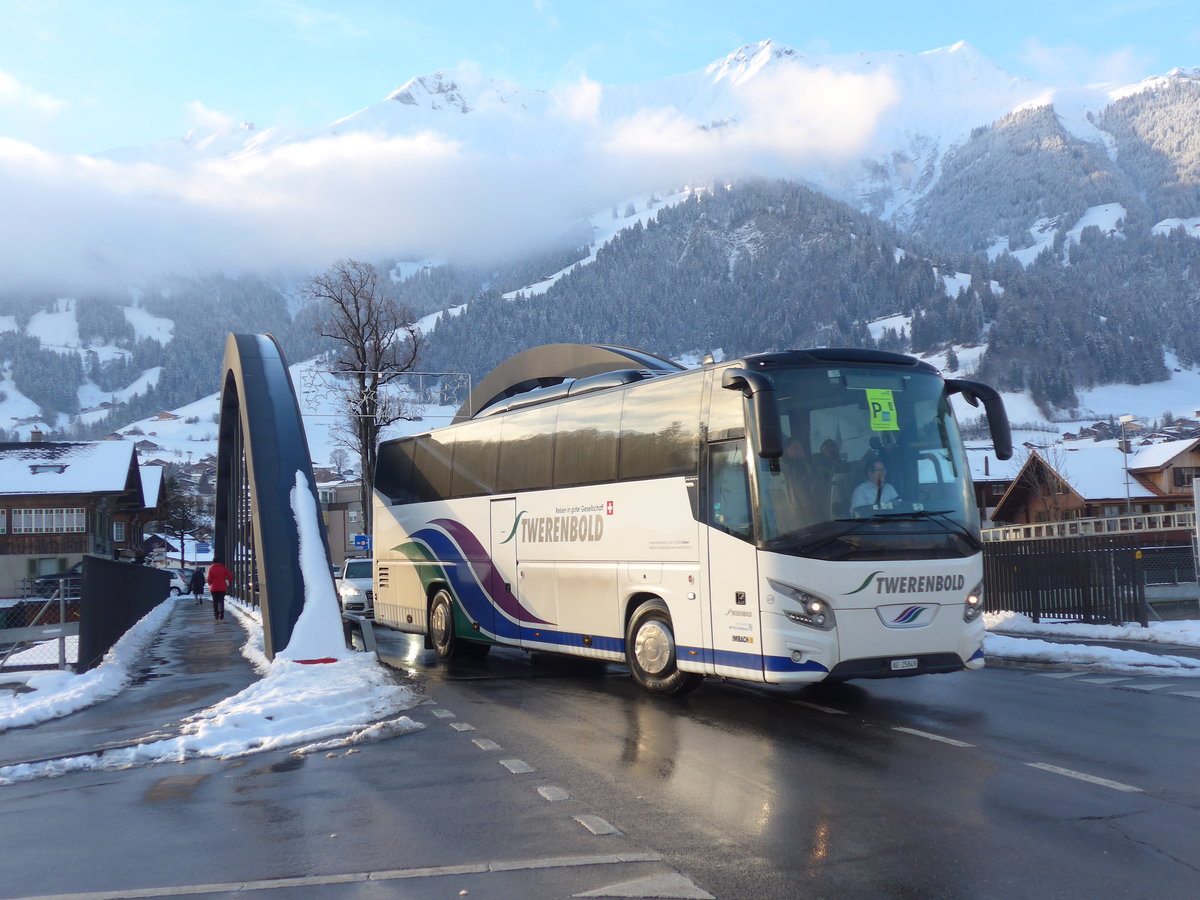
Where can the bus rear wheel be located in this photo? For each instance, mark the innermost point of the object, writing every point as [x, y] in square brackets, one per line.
[441, 625]
[441, 631]
[651, 655]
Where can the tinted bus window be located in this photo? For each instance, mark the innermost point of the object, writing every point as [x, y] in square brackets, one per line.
[476, 448]
[394, 470]
[431, 464]
[526, 450]
[585, 440]
[660, 428]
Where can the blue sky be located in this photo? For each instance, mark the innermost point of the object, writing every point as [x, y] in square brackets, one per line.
[78, 76]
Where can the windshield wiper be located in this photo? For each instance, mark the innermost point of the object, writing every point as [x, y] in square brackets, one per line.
[943, 515]
[799, 540]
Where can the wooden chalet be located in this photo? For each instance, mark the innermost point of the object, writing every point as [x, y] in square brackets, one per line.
[58, 503]
[1098, 480]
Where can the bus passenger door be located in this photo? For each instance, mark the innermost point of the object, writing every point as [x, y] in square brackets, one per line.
[503, 551]
[732, 565]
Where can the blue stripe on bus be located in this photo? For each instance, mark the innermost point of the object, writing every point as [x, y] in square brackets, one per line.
[729, 658]
[736, 659]
[572, 639]
[978, 654]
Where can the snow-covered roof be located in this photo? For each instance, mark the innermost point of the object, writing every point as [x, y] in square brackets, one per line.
[52, 467]
[152, 482]
[1096, 470]
[1155, 456]
[986, 466]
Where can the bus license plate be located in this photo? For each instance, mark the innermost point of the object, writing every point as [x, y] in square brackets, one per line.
[901, 664]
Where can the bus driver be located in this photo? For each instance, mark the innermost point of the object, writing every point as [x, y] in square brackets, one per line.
[875, 492]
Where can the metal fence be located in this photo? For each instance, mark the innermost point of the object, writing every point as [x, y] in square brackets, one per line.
[40, 633]
[75, 632]
[1098, 580]
[1169, 565]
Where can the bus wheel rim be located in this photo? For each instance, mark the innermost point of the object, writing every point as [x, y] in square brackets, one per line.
[439, 623]
[653, 647]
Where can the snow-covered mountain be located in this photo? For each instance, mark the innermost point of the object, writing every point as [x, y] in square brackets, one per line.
[872, 129]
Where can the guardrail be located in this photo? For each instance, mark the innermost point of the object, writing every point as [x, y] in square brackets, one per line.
[1107, 525]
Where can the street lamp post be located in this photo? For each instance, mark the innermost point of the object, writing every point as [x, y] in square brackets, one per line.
[1125, 420]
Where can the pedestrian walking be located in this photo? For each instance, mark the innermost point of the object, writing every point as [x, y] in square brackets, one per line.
[196, 585]
[219, 578]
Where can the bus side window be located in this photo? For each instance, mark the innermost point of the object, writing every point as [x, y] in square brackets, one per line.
[729, 491]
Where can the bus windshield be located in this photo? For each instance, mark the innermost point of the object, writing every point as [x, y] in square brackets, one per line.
[872, 467]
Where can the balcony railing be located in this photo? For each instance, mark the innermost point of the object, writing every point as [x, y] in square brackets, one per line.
[1148, 522]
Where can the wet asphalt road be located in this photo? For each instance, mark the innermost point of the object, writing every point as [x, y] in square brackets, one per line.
[966, 785]
[969, 785]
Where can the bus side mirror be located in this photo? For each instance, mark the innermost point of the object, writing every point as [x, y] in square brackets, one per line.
[973, 392]
[757, 388]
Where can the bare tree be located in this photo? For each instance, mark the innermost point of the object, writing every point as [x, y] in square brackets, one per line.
[183, 515]
[339, 459]
[1046, 478]
[379, 340]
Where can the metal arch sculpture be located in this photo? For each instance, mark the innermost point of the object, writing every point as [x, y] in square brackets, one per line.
[262, 445]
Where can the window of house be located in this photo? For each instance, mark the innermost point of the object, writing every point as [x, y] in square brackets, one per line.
[3, 521]
[1112, 510]
[1185, 475]
[118, 531]
[49, 521]
[352, 516]
[326, 497]
[998, 488]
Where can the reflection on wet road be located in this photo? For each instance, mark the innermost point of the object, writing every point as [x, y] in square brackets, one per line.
[937, 786]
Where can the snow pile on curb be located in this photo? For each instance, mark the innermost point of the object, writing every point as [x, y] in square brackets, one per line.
[58, 693]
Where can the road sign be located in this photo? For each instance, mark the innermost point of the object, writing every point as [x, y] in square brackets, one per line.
[363, 542]
[203, 546]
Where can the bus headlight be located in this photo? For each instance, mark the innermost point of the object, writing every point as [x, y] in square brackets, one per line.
[812, 610]
[973, 605]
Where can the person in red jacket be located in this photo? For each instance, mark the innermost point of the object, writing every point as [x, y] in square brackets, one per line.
[218, 583]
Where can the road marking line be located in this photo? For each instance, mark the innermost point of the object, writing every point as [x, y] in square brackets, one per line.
[1146, 687]
[443, 714]
[486, 744]
[1102, 680]
[553, 794]
[462, 726]
[670, 885]
[1193, 694]
[932, 737]
[1082, 776]
[596, 825]
[270, 884]
[517, 766]
[819, 708]
[1057, 674]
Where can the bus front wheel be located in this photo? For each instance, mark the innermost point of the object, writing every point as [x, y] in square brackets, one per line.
[650, 652]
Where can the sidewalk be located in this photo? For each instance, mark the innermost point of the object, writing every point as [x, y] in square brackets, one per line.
[194, 663]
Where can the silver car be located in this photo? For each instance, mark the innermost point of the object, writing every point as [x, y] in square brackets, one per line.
[356, 588]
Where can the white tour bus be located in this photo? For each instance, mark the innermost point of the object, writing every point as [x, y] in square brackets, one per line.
[785, 517]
